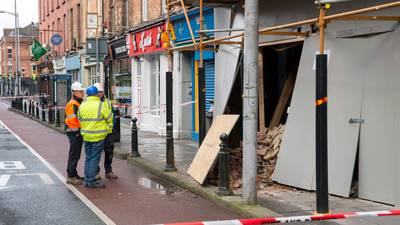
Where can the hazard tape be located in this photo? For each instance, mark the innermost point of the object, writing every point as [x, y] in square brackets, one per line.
[140, 109]
[294, 219]
[321, 101]
[23, 97]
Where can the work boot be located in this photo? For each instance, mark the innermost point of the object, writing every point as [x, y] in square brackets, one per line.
[97, 177]
[98, 184]
[74, 181]
[79, 177]
[111, 176]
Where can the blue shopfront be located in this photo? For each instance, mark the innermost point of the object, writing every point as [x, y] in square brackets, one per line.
[73, 66]
[183, 36]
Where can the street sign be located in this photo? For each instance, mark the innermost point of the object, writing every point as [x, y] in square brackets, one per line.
[56, 39]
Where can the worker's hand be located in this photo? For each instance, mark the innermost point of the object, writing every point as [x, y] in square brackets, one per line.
[78, 135]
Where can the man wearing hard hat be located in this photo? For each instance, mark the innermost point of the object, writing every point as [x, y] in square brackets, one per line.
[95, 121]
[108, 142]
[72, 128]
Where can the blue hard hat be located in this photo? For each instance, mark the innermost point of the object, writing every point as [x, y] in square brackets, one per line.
[92, 90]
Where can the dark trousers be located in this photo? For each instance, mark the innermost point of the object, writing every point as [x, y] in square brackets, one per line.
[75, 148]
[108, 153]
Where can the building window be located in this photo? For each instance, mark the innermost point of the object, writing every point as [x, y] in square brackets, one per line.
[93, 75]
[71, 29]
[144, 10]
[9, 69]
[164, 6]
[75, 75]
[9, 54]
[78, 24]
[33, 68]
[154, 62]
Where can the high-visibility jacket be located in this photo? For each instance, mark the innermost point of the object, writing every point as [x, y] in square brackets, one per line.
[107, 103]
[95, 119]
[71, 120]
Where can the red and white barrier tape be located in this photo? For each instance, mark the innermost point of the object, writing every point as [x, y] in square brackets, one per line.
[140, 109]
[23, 97]
[293, 219]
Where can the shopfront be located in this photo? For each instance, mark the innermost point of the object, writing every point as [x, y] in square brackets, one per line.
[188, 64]
[149, 64]
[120, 70]
[73, 66]
[59, 65]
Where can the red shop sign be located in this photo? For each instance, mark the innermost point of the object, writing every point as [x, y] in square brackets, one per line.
[146, 41]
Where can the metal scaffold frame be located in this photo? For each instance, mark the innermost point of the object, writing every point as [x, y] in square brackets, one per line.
[321, 22]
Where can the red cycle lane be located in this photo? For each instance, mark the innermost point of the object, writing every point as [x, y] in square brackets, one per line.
[135, 198]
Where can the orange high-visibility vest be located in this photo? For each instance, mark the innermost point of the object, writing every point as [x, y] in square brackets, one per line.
[71, 120]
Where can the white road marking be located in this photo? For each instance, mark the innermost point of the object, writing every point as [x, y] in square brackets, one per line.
[4, 103]
[4, 179]
[74, 190]
[11, 165]
[44, 176]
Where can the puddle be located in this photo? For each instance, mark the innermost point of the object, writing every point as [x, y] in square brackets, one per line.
[162, 187]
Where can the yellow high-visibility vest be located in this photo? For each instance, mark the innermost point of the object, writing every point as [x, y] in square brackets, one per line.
[107, 104]
[95, 119]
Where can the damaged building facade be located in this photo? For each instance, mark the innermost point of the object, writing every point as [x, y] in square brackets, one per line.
[362, 91]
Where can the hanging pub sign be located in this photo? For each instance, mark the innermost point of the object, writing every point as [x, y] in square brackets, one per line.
[118, 48]
[146, 41]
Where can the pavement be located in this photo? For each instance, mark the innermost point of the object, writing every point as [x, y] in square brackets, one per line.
[136, 198]
[275, 200]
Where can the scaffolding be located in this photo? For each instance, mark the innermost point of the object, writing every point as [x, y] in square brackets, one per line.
[204, 42]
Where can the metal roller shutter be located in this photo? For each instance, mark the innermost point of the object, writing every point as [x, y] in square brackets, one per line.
[209, 70]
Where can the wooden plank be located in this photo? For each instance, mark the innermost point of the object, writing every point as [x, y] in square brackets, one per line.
[208, 151]
[283, 99]
[261, 113]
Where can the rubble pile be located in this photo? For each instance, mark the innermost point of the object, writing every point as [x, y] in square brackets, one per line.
[269, 143]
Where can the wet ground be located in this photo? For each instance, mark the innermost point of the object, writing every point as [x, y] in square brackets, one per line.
[135, 198]
[31, 194]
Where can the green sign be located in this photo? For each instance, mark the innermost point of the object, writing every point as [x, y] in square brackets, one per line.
[37, 49]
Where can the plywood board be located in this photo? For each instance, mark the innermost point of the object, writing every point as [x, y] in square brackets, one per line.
[209, 149]
[283, 99]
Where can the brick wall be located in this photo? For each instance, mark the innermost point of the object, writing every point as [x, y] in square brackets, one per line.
[51, 13]
[154, 9]
[25, 55]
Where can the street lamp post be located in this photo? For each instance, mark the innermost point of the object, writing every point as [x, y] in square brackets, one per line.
[17, 55]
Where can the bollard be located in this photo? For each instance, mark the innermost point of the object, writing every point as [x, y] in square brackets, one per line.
[37, 110]
[58, 122]
[170, 164]
[25, 107]
[134, 140]
[223, 169]
[30, 107]
[43, 114]
[117, 126]
[51, 116]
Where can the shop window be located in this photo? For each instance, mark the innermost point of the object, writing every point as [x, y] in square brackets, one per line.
[155, 84]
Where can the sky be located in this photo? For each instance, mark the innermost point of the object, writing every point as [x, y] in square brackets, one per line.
[27, 10]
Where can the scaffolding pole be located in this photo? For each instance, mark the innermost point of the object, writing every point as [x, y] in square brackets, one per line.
[250, 102]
